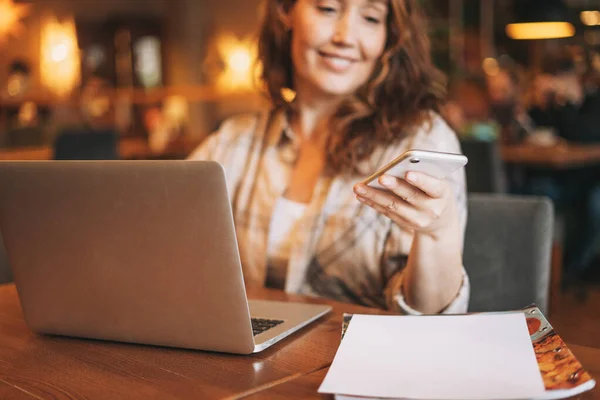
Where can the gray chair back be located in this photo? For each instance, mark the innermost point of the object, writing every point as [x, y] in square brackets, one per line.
[507, 253]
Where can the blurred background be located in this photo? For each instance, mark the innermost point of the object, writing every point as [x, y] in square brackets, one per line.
[172, 69]
[149, 79]
[139, 65]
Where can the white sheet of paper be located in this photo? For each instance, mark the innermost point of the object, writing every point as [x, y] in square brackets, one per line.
[436, 357]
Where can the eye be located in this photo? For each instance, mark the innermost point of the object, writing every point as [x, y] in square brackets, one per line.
[374, 14]
[372, 20]
[326, 9]
[327, 6]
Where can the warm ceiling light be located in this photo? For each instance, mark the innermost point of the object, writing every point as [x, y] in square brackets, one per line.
[590, 18]
[10, 18]
[59, 59]
[541, 19]
[540, 30]
[238, 60]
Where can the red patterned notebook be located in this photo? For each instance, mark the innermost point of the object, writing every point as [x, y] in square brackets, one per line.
[562, 373]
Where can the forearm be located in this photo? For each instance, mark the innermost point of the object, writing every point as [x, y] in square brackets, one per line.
[433, 274]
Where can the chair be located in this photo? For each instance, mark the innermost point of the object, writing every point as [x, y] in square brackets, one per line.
[87, 145]
[507, 251]
[485, 170]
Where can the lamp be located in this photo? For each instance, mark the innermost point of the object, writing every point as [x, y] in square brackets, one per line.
[231, 63]
[541, 19]
[590, 17]
[10, 18]
[59, 61]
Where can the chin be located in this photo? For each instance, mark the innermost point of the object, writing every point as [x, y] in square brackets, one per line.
[335, 87]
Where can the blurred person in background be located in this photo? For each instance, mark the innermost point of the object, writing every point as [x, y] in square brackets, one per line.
[560, 101]
[506, 104]
[507, 109]
[469, 111]
[366, 90]
[591, 75]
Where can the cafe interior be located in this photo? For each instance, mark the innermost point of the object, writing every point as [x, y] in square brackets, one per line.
[143, 80]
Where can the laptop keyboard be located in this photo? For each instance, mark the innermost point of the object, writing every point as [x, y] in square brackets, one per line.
[259, 325]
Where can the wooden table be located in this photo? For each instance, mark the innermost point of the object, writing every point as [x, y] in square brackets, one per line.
[561, 156]
[49, 367]
[34, 367]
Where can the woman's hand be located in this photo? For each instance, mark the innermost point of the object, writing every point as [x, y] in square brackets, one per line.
[425, 206]
[420, 203]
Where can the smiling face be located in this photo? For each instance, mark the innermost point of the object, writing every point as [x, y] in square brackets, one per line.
[332, 48]
[336, 43]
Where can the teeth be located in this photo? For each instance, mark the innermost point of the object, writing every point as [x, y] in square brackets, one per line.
[339, 62]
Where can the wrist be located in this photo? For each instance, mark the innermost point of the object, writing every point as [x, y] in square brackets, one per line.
[447, 229]
[446, 235]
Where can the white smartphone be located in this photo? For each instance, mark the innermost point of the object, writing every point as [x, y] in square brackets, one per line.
[437, 164]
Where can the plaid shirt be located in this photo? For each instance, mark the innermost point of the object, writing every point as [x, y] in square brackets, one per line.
[342, 249]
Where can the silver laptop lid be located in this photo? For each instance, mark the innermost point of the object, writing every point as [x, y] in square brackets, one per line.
[136, 251]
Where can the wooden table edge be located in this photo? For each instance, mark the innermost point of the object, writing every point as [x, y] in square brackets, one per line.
[271, 385]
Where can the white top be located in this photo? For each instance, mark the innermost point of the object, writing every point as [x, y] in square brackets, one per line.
[282, 233]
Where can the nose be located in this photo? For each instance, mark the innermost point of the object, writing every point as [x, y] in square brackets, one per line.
[343, 34]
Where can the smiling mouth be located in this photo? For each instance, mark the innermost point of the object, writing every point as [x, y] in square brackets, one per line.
[336, 62]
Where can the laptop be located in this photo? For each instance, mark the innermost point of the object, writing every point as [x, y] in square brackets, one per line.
[135, 251]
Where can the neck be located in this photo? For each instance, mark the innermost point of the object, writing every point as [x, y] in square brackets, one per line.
[313, 110]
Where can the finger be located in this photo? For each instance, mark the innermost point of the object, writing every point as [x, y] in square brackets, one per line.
[391, 203]
[433, 187]
[406, 191]
[397, 219]
[414, 196]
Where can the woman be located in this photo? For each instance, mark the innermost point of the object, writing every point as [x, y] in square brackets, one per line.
[366, 91]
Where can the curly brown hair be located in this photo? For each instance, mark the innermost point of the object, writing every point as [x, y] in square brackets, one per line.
[402, 90]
